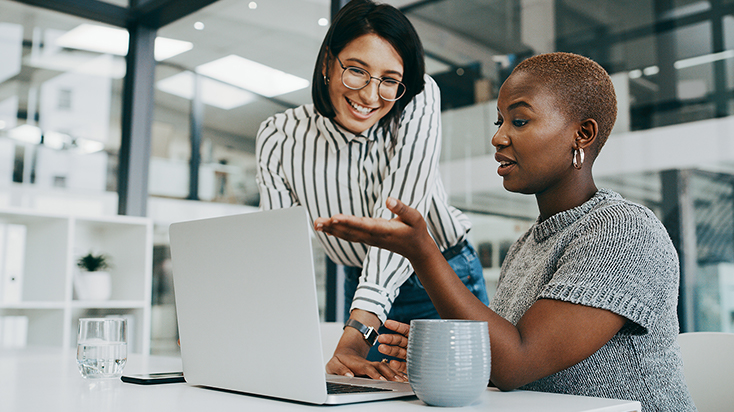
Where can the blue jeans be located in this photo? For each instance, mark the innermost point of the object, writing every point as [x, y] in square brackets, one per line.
[413, 301]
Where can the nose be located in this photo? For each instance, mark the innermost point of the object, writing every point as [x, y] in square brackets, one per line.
[500, 139]
[370, 93]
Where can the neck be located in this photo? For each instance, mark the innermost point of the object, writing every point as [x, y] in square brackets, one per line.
[560, 199]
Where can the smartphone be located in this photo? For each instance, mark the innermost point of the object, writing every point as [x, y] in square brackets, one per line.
[154, 378]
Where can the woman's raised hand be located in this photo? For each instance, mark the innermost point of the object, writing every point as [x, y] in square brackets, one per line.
[403, 234]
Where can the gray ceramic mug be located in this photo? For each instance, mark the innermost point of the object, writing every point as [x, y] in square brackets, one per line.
[448, 360]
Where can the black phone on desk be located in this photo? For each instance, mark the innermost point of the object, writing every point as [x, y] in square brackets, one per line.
[154, 378]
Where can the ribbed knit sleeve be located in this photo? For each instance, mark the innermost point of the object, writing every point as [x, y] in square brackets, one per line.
[622, 260]
[612, 254]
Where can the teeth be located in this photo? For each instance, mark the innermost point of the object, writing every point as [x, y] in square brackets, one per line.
[503, 164]
[361, 109]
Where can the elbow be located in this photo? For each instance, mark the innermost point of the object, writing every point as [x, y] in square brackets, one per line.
[502, 385]
[506, 381]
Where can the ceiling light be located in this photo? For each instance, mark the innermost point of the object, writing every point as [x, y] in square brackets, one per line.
[252, 76]
[213, 93]
[199, 25]
[110, 40]
[26, 133]
[635, 74]
[252, 5]
[706, 58]
[56, 140]
[323, 22]
[650, 71]
[87, 146]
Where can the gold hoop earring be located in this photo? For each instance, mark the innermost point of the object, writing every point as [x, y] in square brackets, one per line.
[578, 153]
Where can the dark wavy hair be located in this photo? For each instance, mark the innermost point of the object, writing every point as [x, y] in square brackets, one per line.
[360, 17]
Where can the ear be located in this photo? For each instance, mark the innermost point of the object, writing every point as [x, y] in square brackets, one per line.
[586, 133]
[325, 65]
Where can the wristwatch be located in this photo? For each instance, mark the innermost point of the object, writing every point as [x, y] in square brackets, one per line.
[368, 332]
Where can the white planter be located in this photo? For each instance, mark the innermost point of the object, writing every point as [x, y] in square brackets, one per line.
[93, 285]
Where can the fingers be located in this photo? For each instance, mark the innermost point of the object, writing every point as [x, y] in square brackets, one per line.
[399, 366]
[391, 370]
[394, 351]
[406, 213]
[357, 366]
[336, 367]
[392, 339]
[346, 227]
[399, 327]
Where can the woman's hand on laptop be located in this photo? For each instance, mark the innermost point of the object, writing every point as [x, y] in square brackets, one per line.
[350, 354]
[347, 364]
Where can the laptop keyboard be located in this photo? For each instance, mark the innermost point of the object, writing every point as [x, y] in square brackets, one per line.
[334, 388]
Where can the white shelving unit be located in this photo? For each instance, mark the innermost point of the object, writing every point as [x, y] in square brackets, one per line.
[53, 244]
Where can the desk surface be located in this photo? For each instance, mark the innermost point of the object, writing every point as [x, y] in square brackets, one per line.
[37, 379]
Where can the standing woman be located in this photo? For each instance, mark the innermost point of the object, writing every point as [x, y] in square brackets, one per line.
[373, 132]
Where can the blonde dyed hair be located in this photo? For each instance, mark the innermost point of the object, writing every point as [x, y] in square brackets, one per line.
[582, 87]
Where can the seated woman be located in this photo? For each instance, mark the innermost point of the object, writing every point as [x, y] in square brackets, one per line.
[586, 301]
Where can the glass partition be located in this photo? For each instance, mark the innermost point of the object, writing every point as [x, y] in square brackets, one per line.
[672, 64]
[59, 111]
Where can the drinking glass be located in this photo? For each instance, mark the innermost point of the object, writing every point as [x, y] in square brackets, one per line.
[448, 361]
[101, 347]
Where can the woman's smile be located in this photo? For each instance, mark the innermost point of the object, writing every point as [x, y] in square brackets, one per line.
[360, 110]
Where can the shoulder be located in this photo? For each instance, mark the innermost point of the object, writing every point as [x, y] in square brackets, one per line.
[431, 92]
[620, 215]
[430, 85]
[618, 257]
[628, 237]
[429, 95]
[424, 105]
[302, 112]
[277, 123]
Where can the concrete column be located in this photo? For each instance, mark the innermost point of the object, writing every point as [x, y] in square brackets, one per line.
[537, 21]
[137, 121]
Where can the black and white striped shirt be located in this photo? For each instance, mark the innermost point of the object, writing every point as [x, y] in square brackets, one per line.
[307, 159]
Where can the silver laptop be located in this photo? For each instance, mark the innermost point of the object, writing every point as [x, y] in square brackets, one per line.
[248, 311]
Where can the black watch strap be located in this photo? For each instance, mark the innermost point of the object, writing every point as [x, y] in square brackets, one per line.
[368, 332]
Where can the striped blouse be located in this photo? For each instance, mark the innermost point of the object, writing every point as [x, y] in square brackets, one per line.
[307, 159]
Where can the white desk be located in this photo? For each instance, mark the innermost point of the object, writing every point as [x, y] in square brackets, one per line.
[47, 379]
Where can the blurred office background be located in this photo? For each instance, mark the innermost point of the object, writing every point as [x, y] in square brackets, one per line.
[73, 140]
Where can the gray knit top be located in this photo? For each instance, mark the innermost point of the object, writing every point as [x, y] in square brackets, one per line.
[616, 255]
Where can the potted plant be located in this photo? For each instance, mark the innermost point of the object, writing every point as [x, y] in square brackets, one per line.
[94, 281]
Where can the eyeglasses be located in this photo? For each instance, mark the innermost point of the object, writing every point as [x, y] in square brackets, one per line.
[356, 78]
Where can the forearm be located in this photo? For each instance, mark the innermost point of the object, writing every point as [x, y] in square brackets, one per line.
[552, 335]
[352, 340]
[454, 301]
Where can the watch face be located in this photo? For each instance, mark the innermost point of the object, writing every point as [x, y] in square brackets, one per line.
[371, 336]
[369, 333]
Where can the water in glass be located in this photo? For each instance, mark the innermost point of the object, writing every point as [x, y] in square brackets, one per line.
[98, 358]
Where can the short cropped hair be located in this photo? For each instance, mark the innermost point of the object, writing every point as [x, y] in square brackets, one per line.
[582, 87]
[360, 17]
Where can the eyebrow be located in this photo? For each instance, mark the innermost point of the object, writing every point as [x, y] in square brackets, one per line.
[521, 103]
[356, 60]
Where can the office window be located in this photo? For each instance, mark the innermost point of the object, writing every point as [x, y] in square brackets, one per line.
[671, 62]
[230, 38]
[59, 106]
